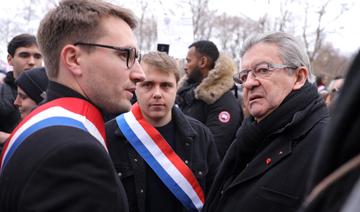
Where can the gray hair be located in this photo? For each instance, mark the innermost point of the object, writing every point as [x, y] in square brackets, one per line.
[291, 51]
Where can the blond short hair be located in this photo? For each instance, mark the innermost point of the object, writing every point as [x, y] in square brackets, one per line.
[73, 21]
[162, 62]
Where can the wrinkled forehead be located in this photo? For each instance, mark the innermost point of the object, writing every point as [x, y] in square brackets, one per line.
[260, 53]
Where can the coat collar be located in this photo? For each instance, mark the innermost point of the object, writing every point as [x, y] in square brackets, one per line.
[219, 81]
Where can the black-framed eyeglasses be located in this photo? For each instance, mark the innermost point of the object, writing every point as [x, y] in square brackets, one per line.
[131, 53]
[261, 70]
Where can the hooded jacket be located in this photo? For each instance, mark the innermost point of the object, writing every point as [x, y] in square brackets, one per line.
[212, 102]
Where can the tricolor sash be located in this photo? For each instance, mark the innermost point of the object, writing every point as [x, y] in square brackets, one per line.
[73, 112]
[158, 154]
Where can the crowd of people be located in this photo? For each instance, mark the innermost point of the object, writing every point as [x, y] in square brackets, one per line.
[174, 143]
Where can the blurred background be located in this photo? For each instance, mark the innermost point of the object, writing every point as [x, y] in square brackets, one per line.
[327, 27]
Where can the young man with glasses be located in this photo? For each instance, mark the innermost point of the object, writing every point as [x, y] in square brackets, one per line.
[57, 158]
[266, 167]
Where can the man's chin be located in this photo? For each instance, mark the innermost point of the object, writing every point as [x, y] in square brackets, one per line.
[123, 107]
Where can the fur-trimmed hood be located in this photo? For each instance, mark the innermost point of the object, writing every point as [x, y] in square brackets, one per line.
[218, 81]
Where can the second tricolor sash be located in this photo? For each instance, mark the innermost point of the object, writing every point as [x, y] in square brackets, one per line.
[72, 112]
[158, 154]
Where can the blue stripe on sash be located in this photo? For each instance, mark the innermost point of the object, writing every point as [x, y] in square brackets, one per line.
[154, 164]
[52, 121]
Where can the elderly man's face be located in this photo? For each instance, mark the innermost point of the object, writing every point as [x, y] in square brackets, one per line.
[265, 94]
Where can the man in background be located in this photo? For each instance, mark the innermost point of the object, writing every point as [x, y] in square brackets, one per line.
[23, 54]
[165, 159]
[205, 92]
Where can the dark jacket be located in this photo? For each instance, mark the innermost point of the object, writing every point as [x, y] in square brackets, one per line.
[9, 113]
[61, 168]
[213, 103]
[194, 145]
[271, 175]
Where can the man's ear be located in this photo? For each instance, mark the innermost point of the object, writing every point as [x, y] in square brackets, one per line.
[301, 76]
[70, 57]
[10, 60]
[204, 62]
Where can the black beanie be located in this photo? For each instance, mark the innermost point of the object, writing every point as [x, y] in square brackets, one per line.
[34, 83]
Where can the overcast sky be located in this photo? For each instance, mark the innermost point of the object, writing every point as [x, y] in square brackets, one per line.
[342, 33]
[345, 33]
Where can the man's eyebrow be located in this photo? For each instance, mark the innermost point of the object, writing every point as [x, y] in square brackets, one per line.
[255, 64]
[147, 81]
[28, 52]
[167, 82]
[24, 52]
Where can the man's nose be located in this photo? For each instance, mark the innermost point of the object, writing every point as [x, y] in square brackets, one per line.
[17, 101]
[251, 81]
[31, 60]
[157, 92]
[136, 73]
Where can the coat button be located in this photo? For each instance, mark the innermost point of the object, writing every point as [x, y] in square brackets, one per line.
[200, 173]
[141, 190]
[119, 174]
[187, 144]
[186, 161]
[135, 160]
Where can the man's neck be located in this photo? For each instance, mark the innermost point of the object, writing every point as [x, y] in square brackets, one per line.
[159, 122]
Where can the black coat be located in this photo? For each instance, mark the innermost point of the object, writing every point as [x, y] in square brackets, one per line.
[194, 145]
[61, 169]
[9, 113]
[213, 103]
[274, 180]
